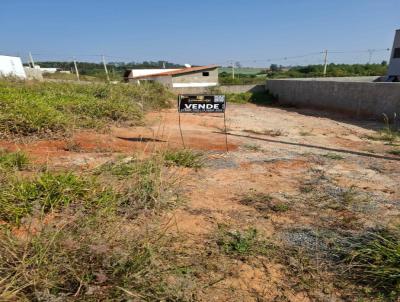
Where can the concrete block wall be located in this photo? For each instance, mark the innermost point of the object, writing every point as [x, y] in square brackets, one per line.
[358, 98]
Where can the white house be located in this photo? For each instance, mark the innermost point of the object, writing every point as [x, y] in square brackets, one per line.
[199, 76]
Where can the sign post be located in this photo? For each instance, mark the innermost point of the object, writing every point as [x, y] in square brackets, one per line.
[202, 103]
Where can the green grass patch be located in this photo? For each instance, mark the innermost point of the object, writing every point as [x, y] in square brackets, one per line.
[184, 158]
[13, 160]
[49, 192]
[43, 109]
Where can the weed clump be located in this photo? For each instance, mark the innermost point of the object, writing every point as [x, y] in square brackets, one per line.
[253, 147]
[390, 133]
[145, 184]
[269, 132]
[242, 243]
[263, 202]
[373, 259]
[184, 158]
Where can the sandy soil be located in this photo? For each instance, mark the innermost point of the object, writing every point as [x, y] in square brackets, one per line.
[281, 152]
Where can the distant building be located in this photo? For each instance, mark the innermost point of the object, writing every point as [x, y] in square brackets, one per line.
[12, 67]
[201, 76]
[393, 74]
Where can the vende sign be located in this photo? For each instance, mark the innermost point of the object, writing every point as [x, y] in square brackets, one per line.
[201, 103]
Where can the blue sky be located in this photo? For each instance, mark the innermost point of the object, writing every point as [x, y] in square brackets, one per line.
[199, 31]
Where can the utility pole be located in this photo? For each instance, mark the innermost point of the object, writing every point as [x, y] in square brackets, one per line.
[31, 59]
[233, 70]
[325, 61]
[105, 68]
[76, 69]
[370, 51]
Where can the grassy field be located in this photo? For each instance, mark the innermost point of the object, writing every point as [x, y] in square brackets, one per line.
[242, 70]
[45, 109]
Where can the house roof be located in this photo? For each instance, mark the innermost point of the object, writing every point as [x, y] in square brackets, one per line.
[179, 71]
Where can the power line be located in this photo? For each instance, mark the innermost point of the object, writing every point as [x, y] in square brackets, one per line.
[370, 52]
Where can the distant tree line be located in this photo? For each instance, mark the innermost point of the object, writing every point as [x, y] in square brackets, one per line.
[333, 70]
[279, 71]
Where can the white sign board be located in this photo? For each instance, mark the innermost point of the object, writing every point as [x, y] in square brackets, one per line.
[12, 66]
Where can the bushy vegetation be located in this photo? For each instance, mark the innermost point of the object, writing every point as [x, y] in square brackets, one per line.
[40, 109]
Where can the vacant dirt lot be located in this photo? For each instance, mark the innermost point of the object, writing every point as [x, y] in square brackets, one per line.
[300, 178]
